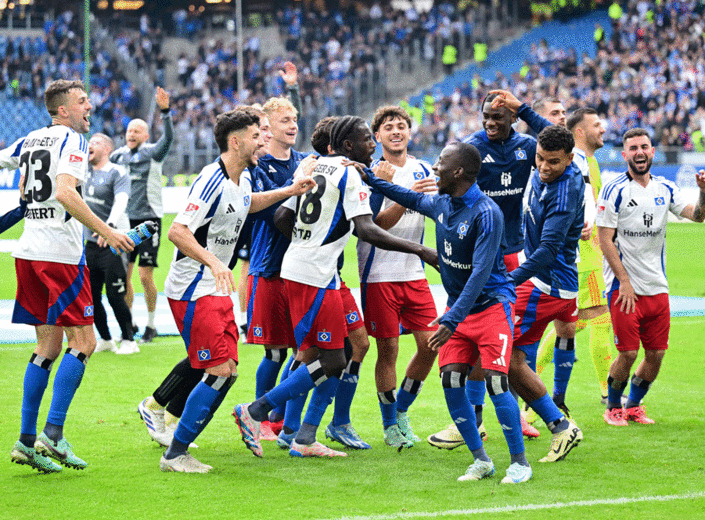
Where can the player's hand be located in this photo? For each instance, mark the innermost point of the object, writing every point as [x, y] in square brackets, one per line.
[505, 99]
[162, 97]
[358, 166]
[290, 75]
[384, 170]
[427, 185]
[224, 280]
[101, 240]
[301, 185]
[440, 337]
[119, 241]
[21, 187]
[700, 180]
[627, 298]
[429, 256]
[306, 167]
[587, 232]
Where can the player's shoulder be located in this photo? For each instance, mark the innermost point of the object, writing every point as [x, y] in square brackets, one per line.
[299, 156]
[118, 170]
[419, 166]
[615, 185]
[209, 182]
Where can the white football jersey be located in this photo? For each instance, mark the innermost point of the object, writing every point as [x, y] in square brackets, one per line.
[50, 233]
[322, 223]
[215, 212]
[380, 265]
[639, 216]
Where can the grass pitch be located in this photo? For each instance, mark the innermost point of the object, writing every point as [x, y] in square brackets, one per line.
[616, 473]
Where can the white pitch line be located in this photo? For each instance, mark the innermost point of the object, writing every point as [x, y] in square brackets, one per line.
[528, 507]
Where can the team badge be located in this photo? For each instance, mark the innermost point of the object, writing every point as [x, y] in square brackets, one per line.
[463, 229]
[418, 175]
[88, 311]
[324, 337]
[204, 354]
[374, 326]
[246, 200]
[660, 201]
[520, 155]
[352, 318]
[260, 186]
[257, 331]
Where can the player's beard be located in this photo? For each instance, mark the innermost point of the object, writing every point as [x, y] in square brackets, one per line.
[633, 168]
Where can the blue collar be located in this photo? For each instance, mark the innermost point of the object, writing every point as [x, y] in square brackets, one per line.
[471, 196]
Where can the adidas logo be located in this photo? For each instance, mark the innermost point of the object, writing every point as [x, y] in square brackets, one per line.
[460, 420]
[488, 159]
[632, 204]
[499, 362]
[272, 169]
[230, 209]
[567, 364]
[505, 427]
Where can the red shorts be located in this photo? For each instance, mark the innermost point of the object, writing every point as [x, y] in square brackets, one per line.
[352, 314]
[513, 260]
[486, 335]
[208, 329]
[268, 318]
[50, 293]
[317, 316]
[649, 323]
[535, 310]
[386, 305]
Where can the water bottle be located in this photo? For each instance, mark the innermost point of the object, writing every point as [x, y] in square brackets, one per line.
[139, 234]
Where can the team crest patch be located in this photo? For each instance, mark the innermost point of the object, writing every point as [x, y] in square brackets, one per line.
[463, 229]
[257, 331]
[260, 185]
[374, 326]
[246, 200]
[75, 158]
[204, 354]
[418, 175]
[88, 311]
[352, 318]
[520, 155]
[660, 201]
[324, 337]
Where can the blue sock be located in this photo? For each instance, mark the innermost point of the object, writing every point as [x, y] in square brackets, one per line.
[278, 413]
[36, 378]
[531, 359]
[463, 416]
[563, 358]
[475, 391]
[548, 411]
[292, 413]
[637, 391]
[615, 389]
[345, 394]
[388, 406]
[321, 398]
[68, 378]
[267, 371]
[507, 410]
[407, 394]
[299, 382]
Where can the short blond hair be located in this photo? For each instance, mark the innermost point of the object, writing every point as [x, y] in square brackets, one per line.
[278, 103]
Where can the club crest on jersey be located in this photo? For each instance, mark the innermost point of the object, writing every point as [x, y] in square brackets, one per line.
[505, 178]
[352, 318]
[88, 311]
[324, 337]
[191, 207]
[520, 155]
[257, 331]
[463, 229]
[447, 247]
[418, 175]
[660, 201]
[204, 354]
[260, 185]
[374, 326]
[75, 158]
[246, 200]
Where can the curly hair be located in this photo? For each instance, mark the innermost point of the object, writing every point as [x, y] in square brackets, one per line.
[320, 138]
[556, 137]
[389, 113]
[233, 121]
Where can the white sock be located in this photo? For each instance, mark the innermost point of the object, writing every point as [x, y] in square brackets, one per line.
[243, 318]
[150, 319]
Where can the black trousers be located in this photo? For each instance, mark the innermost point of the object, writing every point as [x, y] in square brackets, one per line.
[108, 270]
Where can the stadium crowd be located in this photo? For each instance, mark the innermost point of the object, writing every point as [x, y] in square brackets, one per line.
[649, 74]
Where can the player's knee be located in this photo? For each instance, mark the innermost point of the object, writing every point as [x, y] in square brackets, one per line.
[454, 376]
[333, 362]
[496, 382]
[628, 356]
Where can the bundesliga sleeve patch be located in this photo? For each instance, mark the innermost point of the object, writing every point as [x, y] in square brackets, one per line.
[600, 209]
[363, 196]
[75, 158]
[191, 207]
